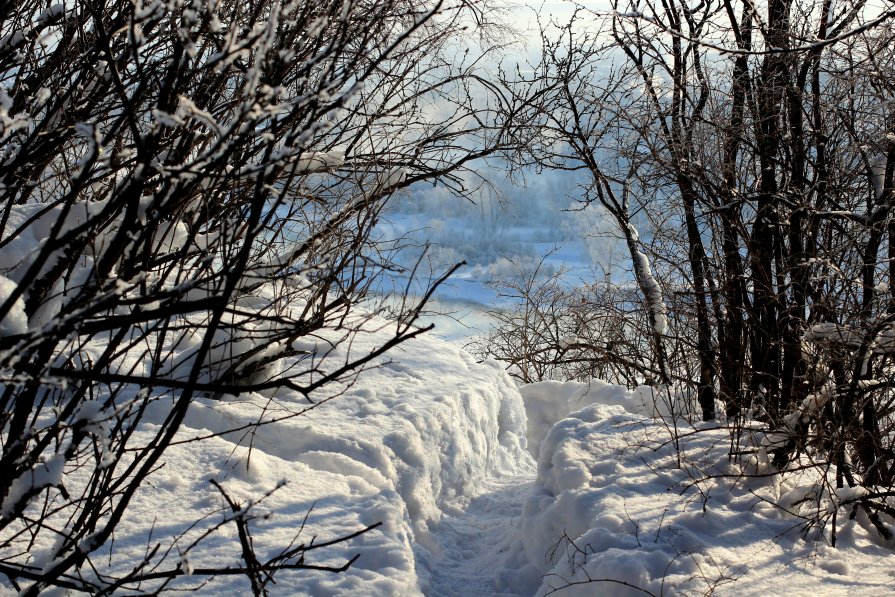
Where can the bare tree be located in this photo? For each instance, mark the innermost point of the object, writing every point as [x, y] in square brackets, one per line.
[745, 153]
[188, 195]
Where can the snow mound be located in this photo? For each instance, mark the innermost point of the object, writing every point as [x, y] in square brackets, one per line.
[547, 402]
[419, 434]
[619, 509]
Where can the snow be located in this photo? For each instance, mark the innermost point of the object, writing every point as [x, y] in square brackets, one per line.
[548, 402]
[49, 14]
[45, 474]
[612, 513]
[434, 448]
[651, 289]
[478, 487]
[15, 321]
[29, 231]
[412, 444]
[318, 161]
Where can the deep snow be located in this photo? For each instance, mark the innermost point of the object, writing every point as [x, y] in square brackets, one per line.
[433, 445]
[620, 517]
[416, 444]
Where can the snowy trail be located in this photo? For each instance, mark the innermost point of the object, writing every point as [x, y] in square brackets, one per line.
[472, 542]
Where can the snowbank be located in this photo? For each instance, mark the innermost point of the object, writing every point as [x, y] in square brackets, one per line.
[548, 402]
[613, 513]
[419, 434]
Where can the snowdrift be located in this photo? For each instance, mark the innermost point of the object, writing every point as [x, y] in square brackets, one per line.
[619, 508]
[548, 402]
[417, 434]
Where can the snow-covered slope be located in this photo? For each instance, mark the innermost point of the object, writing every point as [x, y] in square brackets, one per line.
[619, 509]
[423, 432]
[432, 446]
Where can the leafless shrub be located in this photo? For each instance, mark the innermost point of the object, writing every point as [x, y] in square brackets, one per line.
[747, 156]
[188, 195]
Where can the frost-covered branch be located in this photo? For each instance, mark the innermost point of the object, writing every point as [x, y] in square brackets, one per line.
[190, 191]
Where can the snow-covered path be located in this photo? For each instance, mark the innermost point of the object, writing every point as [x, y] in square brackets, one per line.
[470, 544]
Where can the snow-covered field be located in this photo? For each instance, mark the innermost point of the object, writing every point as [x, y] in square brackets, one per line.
[508, 229]
[435, 447]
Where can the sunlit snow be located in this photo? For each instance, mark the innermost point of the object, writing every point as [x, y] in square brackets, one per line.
[437, 449]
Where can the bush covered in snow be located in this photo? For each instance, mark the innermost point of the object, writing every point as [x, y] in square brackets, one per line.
[189, 192]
